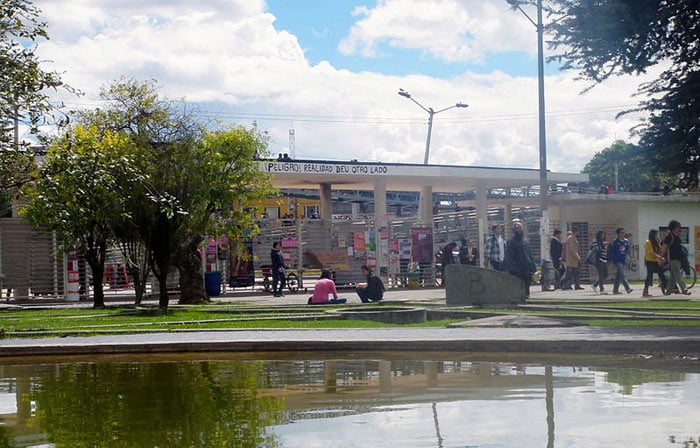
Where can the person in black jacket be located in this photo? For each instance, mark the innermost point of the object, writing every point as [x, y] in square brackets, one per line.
[468, 254]
[374, 288]
[278, 270]
[518, 261]
[555, 250]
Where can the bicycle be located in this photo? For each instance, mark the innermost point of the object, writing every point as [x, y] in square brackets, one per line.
[292, 281]
[689, 277]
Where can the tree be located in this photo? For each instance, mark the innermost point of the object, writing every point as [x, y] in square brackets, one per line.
[23, 85]
[225, 180]
[634, 170]
[195, 183]
[604, 38]
[76, 193]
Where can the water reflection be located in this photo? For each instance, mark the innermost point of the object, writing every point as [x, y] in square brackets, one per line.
[443, 403]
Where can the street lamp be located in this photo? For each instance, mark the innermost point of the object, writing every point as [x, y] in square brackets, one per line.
[544, 224]
[431, 113]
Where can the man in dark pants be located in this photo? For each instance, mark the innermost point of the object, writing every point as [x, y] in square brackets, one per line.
[374, 288]
[555, 250]
[278, 270]
[518, 260]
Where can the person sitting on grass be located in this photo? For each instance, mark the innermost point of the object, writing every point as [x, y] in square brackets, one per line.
[373, 289]
[324, 287]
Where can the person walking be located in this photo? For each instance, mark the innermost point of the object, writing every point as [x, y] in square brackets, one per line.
[617, 253]
[654, 261]
[600, 247]
[676, 258]
[495, 249]
[518, 261]
[468, 254]
[373, 289]
[278, 270]
[555, 250]
[573, 262]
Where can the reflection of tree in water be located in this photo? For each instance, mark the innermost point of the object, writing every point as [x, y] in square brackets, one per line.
[157, 405]
[628, 378]
[6, 437]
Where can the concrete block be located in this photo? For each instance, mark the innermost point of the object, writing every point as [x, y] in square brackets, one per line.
[471, 285]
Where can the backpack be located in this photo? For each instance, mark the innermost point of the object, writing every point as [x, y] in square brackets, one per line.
[592, 257]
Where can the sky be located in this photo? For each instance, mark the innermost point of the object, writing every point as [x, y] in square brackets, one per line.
[331, 71]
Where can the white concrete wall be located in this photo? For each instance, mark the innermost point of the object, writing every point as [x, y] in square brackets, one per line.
[637, 218]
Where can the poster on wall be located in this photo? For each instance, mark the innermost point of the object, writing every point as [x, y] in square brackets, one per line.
[405, 249]
[241, 271]
[422, 239]
[371, 241]
[290, 241]
[358, 242]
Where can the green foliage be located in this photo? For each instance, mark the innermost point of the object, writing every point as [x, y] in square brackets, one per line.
[635, 171]
[23, 92]
[79, 190]
[22, 80]
[607, 38]
[143, 170]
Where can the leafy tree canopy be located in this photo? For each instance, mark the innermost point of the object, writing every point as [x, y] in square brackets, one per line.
[23, 92]
[76, 192]
[628, 164]
[604, 38]
[145, 169]
[23, 82]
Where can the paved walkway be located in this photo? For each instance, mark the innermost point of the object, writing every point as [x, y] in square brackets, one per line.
[422, 294]
[676, 341]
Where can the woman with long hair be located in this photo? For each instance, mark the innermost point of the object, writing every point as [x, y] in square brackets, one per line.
[653, 260]
[600, 246]
[324, 287]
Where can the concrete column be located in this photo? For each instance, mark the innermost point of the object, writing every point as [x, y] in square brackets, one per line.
[355, 211]
[482, 219]
[562, 219]
[426, 206]
[326, 211]
[380, 221]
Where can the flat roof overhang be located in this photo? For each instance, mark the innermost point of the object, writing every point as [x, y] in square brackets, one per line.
[404, 177]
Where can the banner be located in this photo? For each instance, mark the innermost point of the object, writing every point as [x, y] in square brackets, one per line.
[422, 239]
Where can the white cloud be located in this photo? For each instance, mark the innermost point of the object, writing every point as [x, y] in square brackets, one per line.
[229, 55]
[449, 30]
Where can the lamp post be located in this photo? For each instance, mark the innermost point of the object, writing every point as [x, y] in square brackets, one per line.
[544, 224]
[431, 114]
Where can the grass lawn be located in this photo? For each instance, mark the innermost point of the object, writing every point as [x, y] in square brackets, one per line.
[113, 320]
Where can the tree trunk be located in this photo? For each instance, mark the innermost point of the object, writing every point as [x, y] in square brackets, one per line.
[139, 285]
[192, 287]
[98, 294]
[163, 293]
[191, 280]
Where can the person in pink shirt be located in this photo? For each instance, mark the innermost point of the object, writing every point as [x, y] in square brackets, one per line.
[324, 287]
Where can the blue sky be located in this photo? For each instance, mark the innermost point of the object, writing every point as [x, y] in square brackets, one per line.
[331, 71]
[321, 25]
